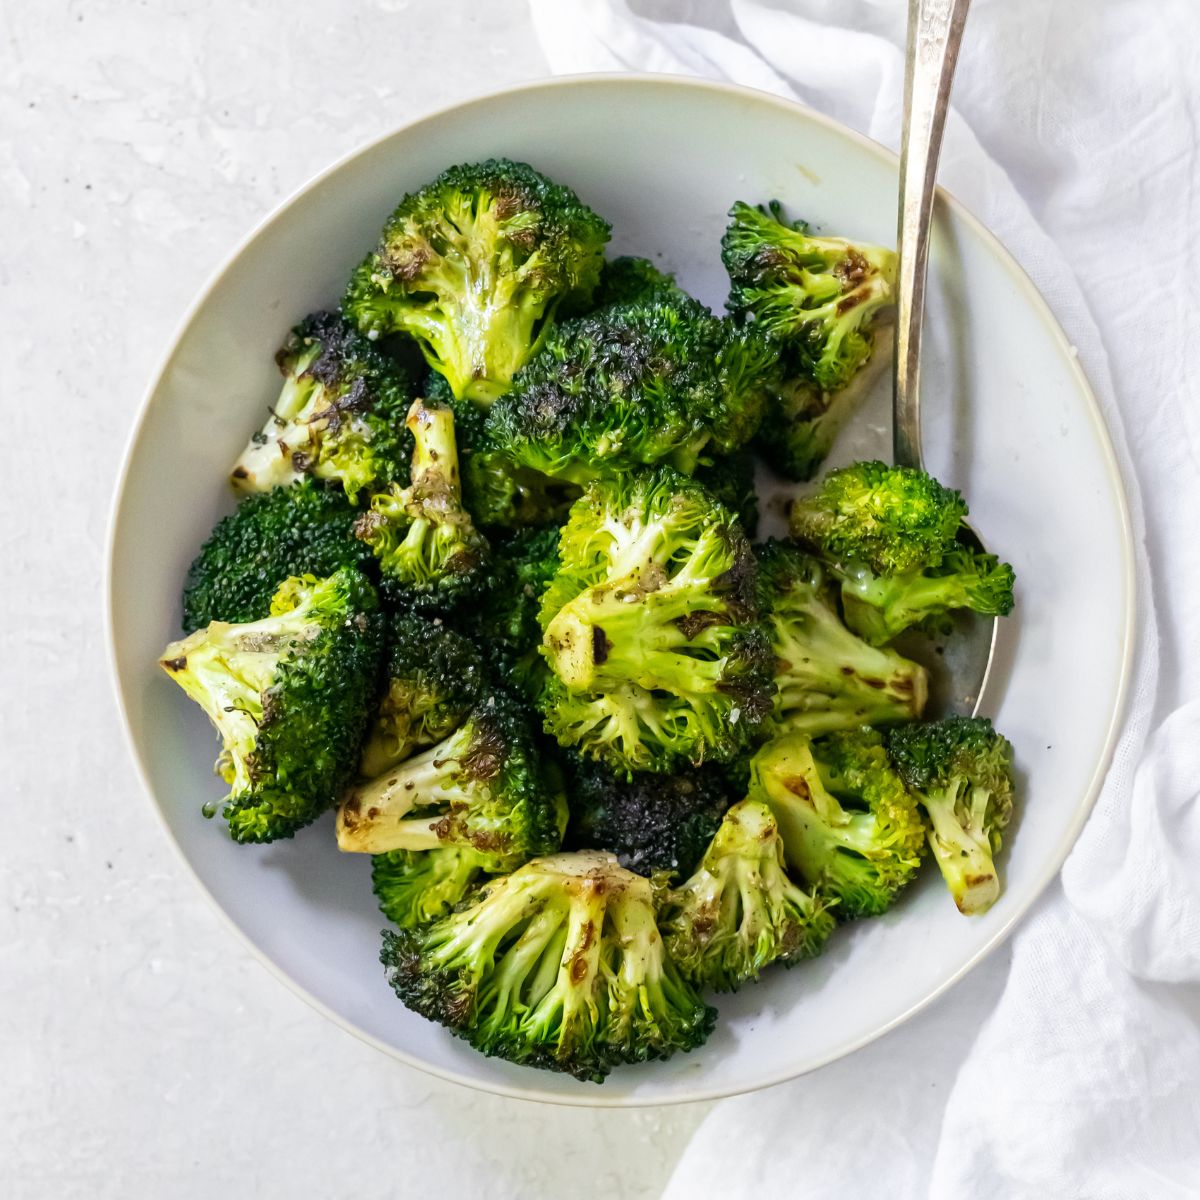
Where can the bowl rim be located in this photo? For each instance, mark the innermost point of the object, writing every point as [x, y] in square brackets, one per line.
[596, 1098]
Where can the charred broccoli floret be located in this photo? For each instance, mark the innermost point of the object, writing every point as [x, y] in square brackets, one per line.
[290, 696]
[414, 887]
[632, 386]
[826, 677]
[631, 280]
[731, 479]
[652, 823]
[339, 417]
[961, 771]
[305, 529]
[485, 788]
[651, 634]
[891, 536]
[435, 676]
[740, 912]
[475, 266]
[849, 826]
[559, 965]
[430, 554]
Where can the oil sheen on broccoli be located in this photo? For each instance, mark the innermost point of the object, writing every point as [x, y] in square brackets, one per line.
[826, 677]
[430, 553]
[475, 266]
[823, 299]
[339, 417]
[290, 696]
[559, 965]
[890, 536]
[632, 386]
[960, 769]
[485, 787]
[739, 912]
[850, 828]
[651, 633]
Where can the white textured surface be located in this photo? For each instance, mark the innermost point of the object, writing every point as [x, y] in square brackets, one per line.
[143, 1052]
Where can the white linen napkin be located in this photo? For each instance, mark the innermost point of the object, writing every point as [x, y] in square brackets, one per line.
[1072, 1069]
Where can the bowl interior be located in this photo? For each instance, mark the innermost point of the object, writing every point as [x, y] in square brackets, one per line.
[1008, 418]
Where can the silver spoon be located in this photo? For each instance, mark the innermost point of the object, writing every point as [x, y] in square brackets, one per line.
[959, 662]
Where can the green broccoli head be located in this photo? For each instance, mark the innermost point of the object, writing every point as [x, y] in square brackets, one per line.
[961, 771]
[826, 677]
[740, 912]
[630, 280]
[484, 787]
[305, 529]
[850, 828]
[820, 296]
[475, 266]
[654, 824]
[290, 696]
[430, 553]
[414, 887]
[633, 386]
[651, 634]
[559, 965]
[731, 480]
[435, 677]
[339, 416]
[890, 536]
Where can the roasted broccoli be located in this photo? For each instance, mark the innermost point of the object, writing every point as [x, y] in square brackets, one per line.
[740, 912]
[731, 480]
[485, 787]
[630, 280]
[290, 696]
[559, 965]
[305, 529]
[652, 823]
[475, 266]
[435, 676]
[430, 554]
[414, 887]
[849, 826]
[632, 386]
[339, 417]
[826, 677]
[656, 655]
[889, 535]
[961, 771]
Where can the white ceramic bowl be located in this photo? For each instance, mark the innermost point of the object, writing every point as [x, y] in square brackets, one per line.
[1009, 418]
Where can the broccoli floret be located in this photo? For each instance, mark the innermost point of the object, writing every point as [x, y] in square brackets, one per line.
[414, 887]
[803, 420]
[654, 824]
[305, 529]
[559, 965]
[290, 696]
[630, 280]
[889, 537]
[961, 772]
[826, 677]
[339, 417]
[819, 296]
[484, 787]
[475, 266]
[632, 386]
[430, 554]
[435, 676]
[849, 826]
[651, 634]
[740, 912]
[731, 480]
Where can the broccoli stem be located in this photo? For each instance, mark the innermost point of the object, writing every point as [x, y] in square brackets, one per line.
[961, 844]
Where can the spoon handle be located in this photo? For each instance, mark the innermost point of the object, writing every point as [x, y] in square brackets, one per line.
[935, 29]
